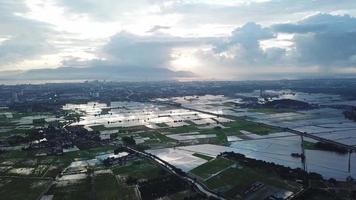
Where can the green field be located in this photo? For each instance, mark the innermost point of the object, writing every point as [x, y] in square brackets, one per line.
[78, 190]
[162, 125]
[208, 169]
[141, 169]
[20, 189]
[270, 110]
[234, 181]
[253, 127]
[155, 138]
[183, 129]
[48, 166]
[106, 187]
[234, 128]
[309, 145]
[126, 192]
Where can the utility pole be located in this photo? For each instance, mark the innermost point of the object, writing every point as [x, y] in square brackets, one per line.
[303, 154]
[349, 164]
[303, 159]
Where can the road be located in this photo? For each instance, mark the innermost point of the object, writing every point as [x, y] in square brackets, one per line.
[320, 139]
[202, 188]
[315, 137]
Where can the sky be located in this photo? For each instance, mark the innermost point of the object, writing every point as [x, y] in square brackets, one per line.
[138, 40]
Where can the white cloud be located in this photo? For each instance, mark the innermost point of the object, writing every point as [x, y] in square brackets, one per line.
[213, 39]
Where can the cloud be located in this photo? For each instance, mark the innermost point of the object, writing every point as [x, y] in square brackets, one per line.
[99, 71]
[26, 38]
[242, 49]
[322, 43]
[324, 40]
[106, 9]
[126, 57]
[243, 45]
[162, 38]
[145, 51]
[263, 12]
[320, 23]
[157, 28]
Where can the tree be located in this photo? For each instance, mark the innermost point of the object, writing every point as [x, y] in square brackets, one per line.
[128, 140]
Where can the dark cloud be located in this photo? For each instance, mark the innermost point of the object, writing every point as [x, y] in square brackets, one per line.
[324, 40]
[126, 57]
[243, 48]
[26, 38]
[145, 51]
[320, 23]
[128, 49]
[97, 71]
[273, 11]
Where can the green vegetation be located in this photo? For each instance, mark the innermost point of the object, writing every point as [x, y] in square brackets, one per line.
[48, 166]
[105, 111]
[324, 147]
[126, 192]
[183, 129]
[234, 181]
[102, 128]
[205, 157]
[75, 190]
[253, 127]
[128, 140]
[233, 129]
[212, 167]
[19, 189]
[152, 139]
[317, 194]
[309, 145]
[156, 138]
[141, 169]
[105, 185]
[162, 125]
[270, 110]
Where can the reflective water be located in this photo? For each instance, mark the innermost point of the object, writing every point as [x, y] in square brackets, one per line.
[278, 150]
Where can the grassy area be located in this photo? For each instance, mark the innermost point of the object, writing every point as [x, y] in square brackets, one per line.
[48, 166]
[155, 137]
[207, 169]
[76, 190]
[141, 169]
[103, 128]
[205, 157]
[270, 110]
[106, 186]
[234, 128]
[162, 125]
[309, 145]
[183, 129]
[19, 189]
[315, 194]
[126, 192]
[234, 181]
[253, 127]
